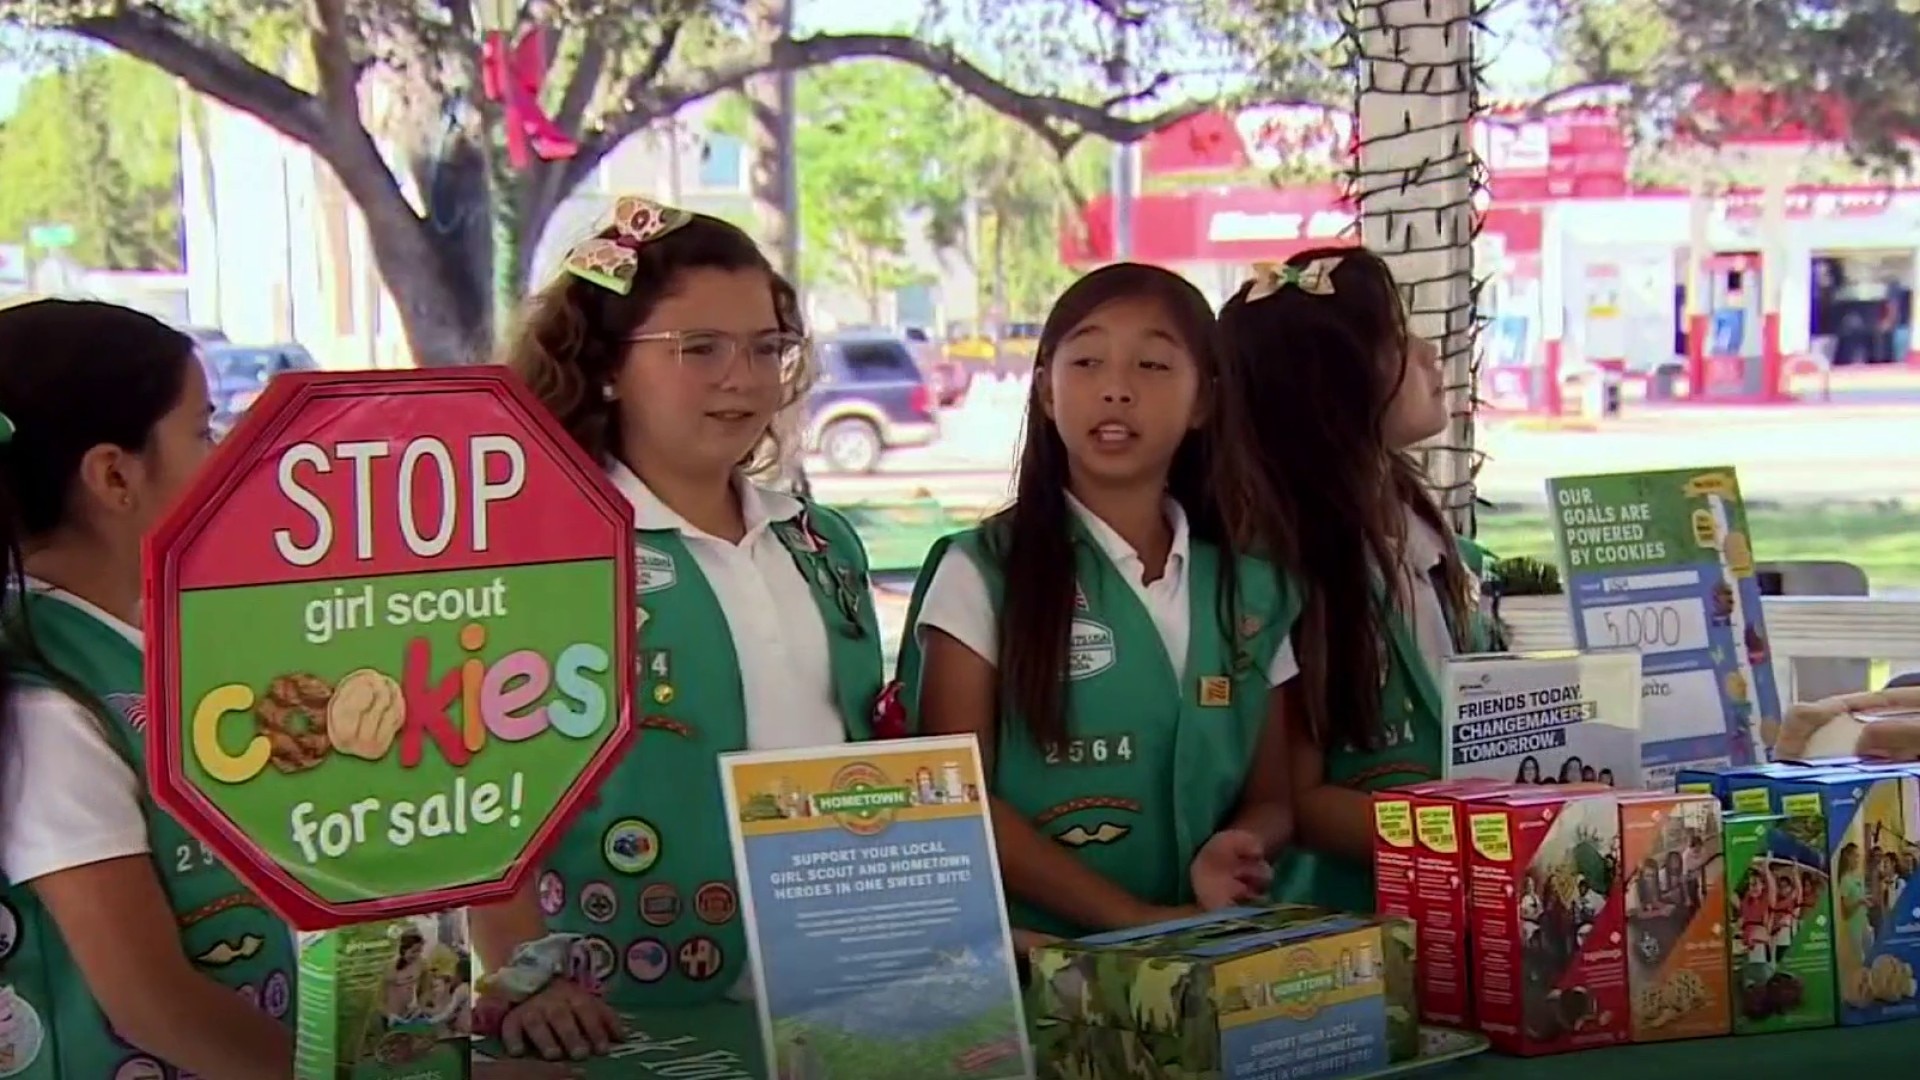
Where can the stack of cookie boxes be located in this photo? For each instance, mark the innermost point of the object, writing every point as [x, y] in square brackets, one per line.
[1559, 917]
[1824, 900]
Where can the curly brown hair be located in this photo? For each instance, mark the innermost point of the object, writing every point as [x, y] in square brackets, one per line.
[571, 337]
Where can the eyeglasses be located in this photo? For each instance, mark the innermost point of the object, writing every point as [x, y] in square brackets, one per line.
[712, 352]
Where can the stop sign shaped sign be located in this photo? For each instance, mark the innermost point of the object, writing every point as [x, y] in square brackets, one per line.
[389, 642]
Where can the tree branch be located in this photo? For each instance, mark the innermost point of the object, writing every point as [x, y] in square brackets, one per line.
[333, 60]
[209, 67]
[1058, 121]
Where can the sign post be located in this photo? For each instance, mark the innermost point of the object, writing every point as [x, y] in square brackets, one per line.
[386, 661]
[1662, 562]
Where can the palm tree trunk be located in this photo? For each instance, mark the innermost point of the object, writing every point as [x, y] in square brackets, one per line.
[1414, 177]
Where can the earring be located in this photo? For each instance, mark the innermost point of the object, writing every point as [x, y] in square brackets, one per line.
[607, 392]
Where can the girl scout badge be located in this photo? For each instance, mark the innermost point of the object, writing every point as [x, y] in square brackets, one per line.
[610, 256]
[817, 564]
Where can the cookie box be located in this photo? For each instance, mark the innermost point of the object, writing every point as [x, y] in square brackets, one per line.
[1246, 994]
[386, 1000]
[1674, 894]
[1779, 921]
[1420, 869]
[1547, 925]
[1872, 839]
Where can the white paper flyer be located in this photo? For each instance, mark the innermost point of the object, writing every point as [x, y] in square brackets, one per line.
[1545, 718]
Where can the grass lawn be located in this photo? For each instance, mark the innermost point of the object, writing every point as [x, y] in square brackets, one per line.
[1883, 540]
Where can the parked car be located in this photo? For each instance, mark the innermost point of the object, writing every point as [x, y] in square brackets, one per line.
[870, 397]
[236, 374]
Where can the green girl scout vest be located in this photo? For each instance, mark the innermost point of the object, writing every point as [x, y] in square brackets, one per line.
[1410, 751]
[1158, 753]
[645, 874]
[50, 1026]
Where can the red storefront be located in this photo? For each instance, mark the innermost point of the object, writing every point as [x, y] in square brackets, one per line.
[1584, 270]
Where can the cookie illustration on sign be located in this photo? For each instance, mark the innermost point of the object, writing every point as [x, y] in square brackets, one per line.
[21, 1033]
[597, 902]
[648, 960]
[659, 904]
[553, 894]
[9, 930]
[701, 958]
[631, 846]
[715, 903]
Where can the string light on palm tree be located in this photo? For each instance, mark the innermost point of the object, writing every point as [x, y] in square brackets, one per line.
[1419, 184]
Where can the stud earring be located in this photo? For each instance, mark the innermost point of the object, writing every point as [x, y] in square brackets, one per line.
[606, 392]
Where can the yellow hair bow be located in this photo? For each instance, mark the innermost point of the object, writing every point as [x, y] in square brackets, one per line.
[610, 261]
[1315, 277]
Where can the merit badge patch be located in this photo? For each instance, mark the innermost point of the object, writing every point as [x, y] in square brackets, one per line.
[1216, 691]
[1091, 649]
[653, 570]
[631, 846]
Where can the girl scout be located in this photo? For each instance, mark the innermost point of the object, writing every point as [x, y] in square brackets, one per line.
[1122, 793]
[125, 948]
[1330, 416]
[670, 349]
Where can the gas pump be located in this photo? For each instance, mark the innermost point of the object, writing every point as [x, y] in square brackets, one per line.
[1733, 347]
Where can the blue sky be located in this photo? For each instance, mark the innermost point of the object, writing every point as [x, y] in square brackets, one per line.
[1518, 65]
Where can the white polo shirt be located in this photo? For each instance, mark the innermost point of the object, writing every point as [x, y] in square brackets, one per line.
[958, 604]
[778, 636]
[1418, 560]
[67, 798]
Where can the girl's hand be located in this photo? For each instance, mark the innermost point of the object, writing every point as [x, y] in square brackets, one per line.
[562, 1020]
[1231, 869]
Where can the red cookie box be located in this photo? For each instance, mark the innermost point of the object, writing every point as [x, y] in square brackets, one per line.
[1419, 873]
[1546, 920]
[1420, 864]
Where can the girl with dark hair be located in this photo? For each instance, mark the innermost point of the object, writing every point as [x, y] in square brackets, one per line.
[129, 939]
[1326, 393]
[1115, 659]
[670, 350]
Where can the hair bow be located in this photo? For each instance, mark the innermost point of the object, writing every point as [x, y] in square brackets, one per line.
[1315, 277]
[609, 261]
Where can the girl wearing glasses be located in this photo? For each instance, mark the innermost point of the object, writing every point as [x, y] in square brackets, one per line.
[669, 349]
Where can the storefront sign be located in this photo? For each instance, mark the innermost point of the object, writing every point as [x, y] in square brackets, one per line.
[388, 631]
[1816, 202]
[1234, 226]
[875, 918]
[1662, 562]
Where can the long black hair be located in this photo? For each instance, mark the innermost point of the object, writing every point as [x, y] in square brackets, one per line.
[1032, 540]
[74, 375]
[1307, 381]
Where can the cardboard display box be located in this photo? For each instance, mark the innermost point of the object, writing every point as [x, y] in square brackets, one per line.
[1247, 993]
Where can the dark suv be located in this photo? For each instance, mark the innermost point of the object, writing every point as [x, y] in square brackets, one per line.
[869, 397]
[236, 374]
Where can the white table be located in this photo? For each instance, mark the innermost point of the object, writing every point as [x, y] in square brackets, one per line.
[1800, 628]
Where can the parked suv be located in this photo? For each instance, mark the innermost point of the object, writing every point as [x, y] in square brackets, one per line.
[236, 374]
[869, 397]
